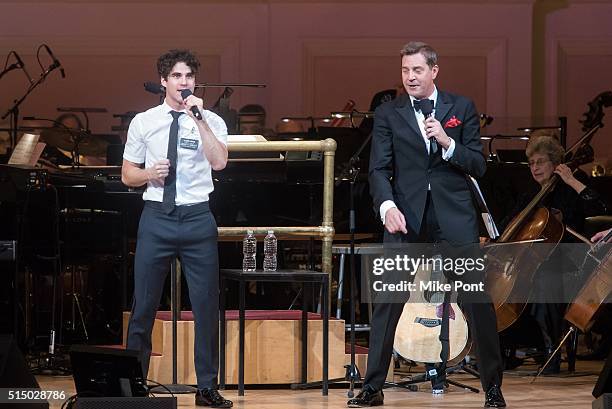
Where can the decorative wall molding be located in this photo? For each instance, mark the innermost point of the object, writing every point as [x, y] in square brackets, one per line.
[566, 47]
[492, 49]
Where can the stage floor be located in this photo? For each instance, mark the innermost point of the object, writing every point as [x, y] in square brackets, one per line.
[569, 391]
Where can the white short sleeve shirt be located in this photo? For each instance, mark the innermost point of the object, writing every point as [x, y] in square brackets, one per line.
[147, 143]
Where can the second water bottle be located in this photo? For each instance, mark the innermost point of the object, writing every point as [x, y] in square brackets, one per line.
[270, 250]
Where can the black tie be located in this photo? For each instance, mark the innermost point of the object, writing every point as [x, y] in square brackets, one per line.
[417, 104]
[170, 181]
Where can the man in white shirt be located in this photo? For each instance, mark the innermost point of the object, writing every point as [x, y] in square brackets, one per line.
[173, 153]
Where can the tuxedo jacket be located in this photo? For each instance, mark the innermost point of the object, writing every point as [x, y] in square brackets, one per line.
[401, 168]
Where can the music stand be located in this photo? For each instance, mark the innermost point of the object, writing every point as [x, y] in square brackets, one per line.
[352, 143]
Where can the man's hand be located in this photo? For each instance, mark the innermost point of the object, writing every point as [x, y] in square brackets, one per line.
[433, 129]
[192, 101]
[395, 221]
[159, 171]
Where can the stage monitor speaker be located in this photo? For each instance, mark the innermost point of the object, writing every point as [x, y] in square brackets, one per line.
[127, 403]
[604, 382]
[107, 372]
[14, 373]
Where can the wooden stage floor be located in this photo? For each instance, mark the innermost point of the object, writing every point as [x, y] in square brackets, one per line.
[561, 391]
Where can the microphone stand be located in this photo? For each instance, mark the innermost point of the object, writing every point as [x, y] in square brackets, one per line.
[352, 374]
[50, 362]
[352, 371]
[8, 69]
[14, 110]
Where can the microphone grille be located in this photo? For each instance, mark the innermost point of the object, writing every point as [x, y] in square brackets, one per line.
[427, 107]
[185, 93]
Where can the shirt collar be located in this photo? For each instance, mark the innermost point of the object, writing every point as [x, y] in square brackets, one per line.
[167, 108]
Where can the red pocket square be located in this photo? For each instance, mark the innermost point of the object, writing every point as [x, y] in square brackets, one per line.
[453, 122]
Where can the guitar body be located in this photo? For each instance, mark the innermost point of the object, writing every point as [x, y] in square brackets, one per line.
[417, 336]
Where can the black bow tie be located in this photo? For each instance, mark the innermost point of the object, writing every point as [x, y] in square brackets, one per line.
[419, 104]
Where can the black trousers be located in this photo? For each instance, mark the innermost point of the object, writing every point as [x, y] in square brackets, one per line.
[481, 318]
[189, 232]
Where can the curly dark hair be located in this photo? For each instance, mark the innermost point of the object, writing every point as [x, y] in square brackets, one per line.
[169, 60]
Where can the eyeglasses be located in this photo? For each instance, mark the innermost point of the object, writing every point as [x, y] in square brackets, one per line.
[538, 162]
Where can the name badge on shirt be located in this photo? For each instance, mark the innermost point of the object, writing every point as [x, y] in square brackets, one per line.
[187, 143]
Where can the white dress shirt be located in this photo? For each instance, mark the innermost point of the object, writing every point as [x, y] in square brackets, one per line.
[147, 143]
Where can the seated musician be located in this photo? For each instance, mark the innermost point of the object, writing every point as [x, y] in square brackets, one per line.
[575, 200]
[67, 127]
[65, 124]
[252, 121]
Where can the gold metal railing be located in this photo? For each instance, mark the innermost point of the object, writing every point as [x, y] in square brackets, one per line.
[326, 230]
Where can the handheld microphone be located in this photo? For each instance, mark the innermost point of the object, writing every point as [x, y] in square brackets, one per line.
[56, 63]
[154, 88]
[427, 108]
[22, 66]
[194, 109]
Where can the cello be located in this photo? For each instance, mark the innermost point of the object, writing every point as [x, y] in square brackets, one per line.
[584, 309]
[586, 306]
[509, 272]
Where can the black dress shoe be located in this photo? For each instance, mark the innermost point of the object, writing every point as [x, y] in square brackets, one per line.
[367, 397]
[212, 398]
[494, 398]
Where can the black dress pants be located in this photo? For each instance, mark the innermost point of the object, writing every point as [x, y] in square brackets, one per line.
[190, 233]
[480, 315]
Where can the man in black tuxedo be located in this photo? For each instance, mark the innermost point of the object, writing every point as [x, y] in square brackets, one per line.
[417, 180]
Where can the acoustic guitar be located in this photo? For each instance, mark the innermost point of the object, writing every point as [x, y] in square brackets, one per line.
[417, 336]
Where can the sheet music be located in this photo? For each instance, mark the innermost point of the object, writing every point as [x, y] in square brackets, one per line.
[24, 150]
[486, 216]
[38, 150]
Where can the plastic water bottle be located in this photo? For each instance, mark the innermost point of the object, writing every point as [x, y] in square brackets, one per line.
[249, 251]
[270, 250]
